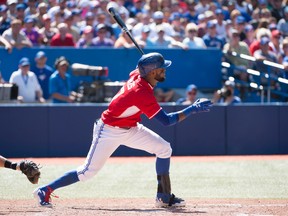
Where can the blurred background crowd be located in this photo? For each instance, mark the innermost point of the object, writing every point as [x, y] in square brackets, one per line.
[256, 28]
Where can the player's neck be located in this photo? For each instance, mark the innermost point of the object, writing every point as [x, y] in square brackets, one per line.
[151, 80]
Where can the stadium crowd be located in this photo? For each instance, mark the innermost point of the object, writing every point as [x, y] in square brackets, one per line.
[257, 28]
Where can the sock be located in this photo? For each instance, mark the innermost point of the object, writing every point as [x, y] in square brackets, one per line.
[162, 166]
[67, 179]
[162, 170]
[8, 164]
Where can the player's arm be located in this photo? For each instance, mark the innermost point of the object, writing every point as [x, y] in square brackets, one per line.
[172, 118]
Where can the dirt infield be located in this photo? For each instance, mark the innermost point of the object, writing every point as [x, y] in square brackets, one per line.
[140, 206]
[144, 207]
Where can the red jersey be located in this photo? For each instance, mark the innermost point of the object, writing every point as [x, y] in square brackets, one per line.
[56, 40]
[136, 97]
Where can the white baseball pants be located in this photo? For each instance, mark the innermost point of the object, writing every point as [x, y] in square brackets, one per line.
[106, 139]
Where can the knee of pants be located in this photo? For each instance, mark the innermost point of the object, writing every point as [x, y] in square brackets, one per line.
[165, 152]
[85, 174]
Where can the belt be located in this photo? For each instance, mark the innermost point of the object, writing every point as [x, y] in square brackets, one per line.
[125, 128]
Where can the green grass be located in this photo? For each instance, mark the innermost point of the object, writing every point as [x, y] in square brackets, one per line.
[239, 179]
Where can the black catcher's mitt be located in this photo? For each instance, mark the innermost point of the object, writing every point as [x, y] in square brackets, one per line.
[31, 170]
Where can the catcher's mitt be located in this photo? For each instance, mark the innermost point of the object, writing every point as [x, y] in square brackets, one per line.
[31, 170]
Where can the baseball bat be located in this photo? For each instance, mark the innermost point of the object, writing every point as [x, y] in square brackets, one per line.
[123, 26]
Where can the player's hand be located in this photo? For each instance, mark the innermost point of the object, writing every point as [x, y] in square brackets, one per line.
[201, 105]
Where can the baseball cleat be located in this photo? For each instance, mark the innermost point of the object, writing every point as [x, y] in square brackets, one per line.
[168, 201]
[43, 196]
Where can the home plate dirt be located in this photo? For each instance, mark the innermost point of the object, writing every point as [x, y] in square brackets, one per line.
[135, 207]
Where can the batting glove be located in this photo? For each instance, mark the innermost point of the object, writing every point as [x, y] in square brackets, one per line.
[200, 105]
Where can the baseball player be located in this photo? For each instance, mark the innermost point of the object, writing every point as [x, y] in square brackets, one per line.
[29, 168]
[119, 125]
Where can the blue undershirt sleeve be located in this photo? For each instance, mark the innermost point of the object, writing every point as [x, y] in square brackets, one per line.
[167, 119]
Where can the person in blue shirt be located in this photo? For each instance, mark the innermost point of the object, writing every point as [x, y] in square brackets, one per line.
[43, 72]
[60, 86]
[211, 39]
[226, 95]
[190, 95]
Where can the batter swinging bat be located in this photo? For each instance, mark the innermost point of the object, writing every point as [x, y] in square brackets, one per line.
[122, 25]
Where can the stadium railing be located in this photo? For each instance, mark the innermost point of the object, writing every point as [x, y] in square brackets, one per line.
[280, 88]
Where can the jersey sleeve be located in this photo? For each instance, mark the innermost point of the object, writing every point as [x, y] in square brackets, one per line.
[148, 104]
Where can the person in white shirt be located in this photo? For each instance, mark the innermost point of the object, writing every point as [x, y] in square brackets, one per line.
[191, 40]
[29, 90]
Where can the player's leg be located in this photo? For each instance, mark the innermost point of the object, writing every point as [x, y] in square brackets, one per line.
[145, 139]
[101, 149]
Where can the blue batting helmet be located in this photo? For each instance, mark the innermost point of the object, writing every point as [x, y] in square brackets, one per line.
[151, 61]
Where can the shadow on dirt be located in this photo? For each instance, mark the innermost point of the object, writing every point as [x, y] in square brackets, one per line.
[172, 210]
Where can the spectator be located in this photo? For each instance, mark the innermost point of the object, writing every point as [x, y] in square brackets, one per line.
[41, 10]
[76, 13]
[163, 95]
[190, 95]
[255, 45]
[144, 20]
[124, 14]
[57, 19]
[29, 90]
[226, 95]
[211, 38]
[31, 9]
[20, 11]
[101, 19]
[42, 72]
[250, 34]
[175, 20]
[151, 7]
[191, 40]
[86, 39]
[63, 38]
[282, 25]
[158, 18]
[12, 8]
[191, 14]
[5, 21]
[102, 39]
[137, 8]
[47, 31]
[143, 40]
[276, 38]
[161, 40]
[15, 36]
[89, 21]
[31, 32]
[276, 8]
[202, 25]
[176, 42]
[124, 41]
[6, 44]
[285, 57]
[264, 53]
[60, 83]
[73, 30]
[240, 47]
[221, 24]
[202, 6]
[60, 9]
[239, 25]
